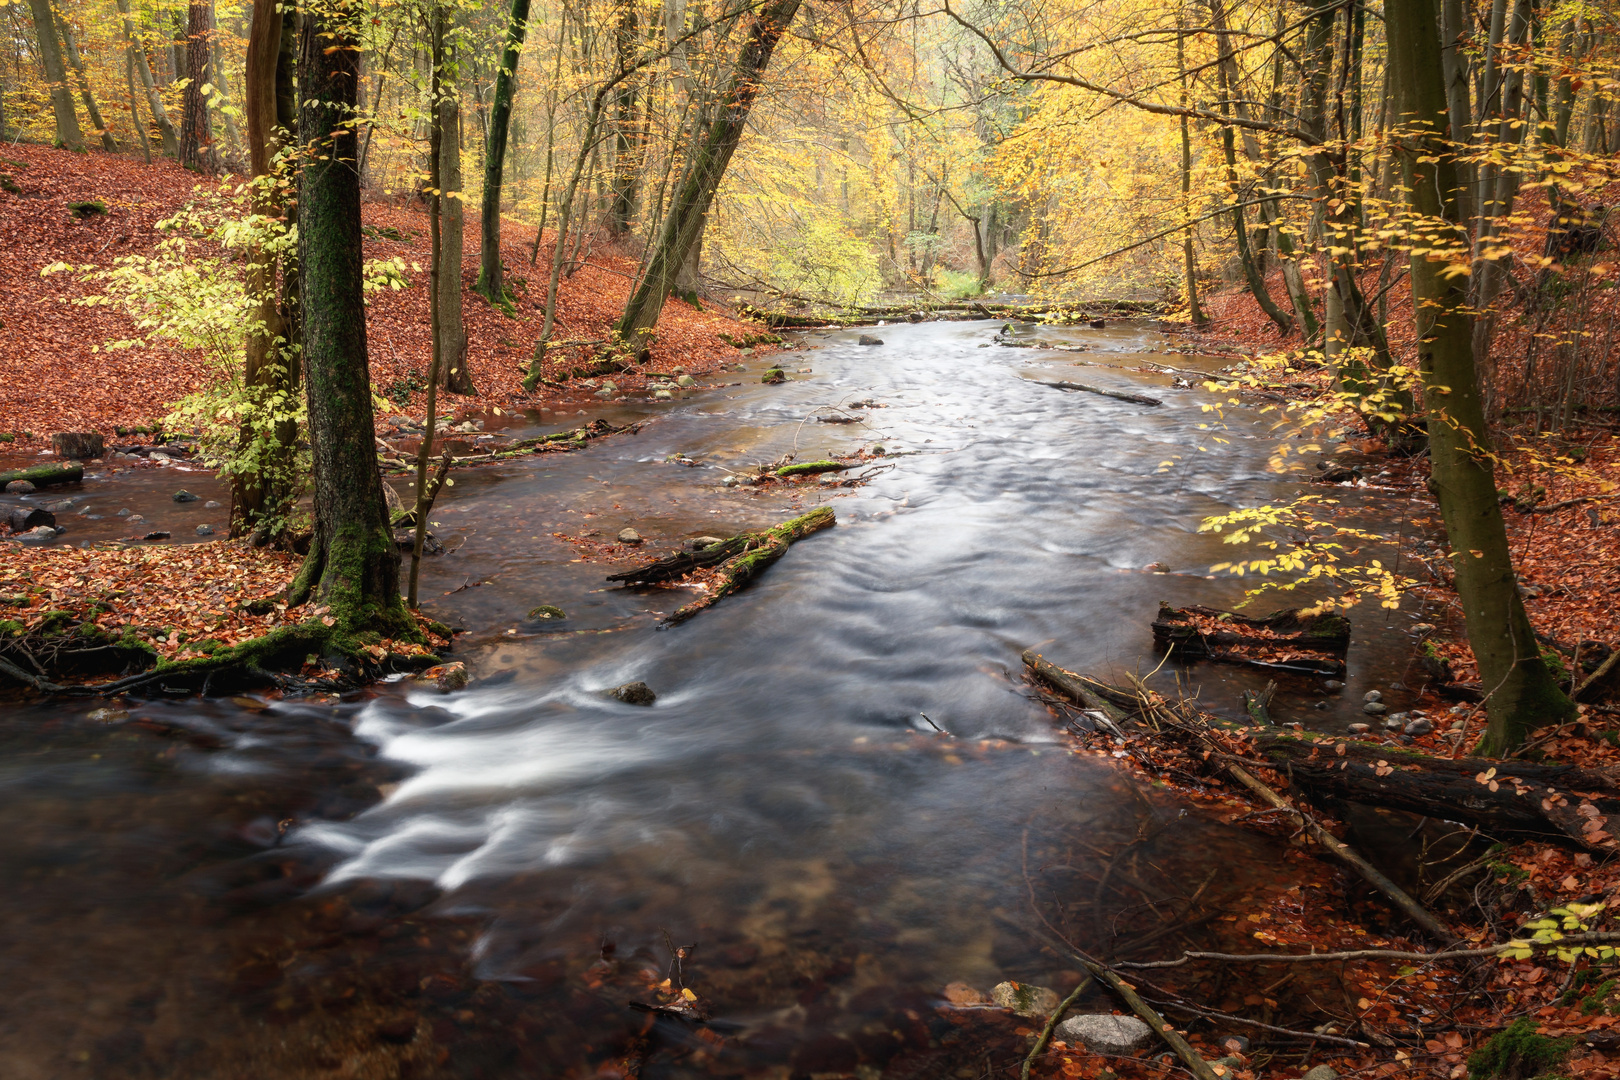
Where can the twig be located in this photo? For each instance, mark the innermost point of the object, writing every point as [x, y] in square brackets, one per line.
[1066, 384]
[1590, 938]
[1051, 1025]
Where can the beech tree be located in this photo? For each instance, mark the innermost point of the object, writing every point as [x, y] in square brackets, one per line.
[352, 566]
[50, 55]
[491, 274]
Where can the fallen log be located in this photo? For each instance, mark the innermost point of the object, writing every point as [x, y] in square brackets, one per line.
[23, 518]
[1196, 633]
[44, 475]
[1068, 384]
[739, 560]
[78, 445]
[810, 468]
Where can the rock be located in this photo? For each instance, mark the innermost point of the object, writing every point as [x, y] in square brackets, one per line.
[1333, 685]
[108, 716]
[634, 693]
[213, 504]
[60, 506]
[1105, 1033]
[1393, 724]
[1025, 999]
[547, 611]
[739, 367]
[629, 536]
[663, 395]
[1375, 708]
[603, 394]
[156, 534]
[135, 519]
[19, 487]
[1322, 1072]
[730, 481]
[205, 530]
[1097, 324]
[447, 677]
[1359, 729]
[868, 339]
[685, 380]
[678, 370]
[124, 512]
[1398, 717]
[40, 534]
[159, 456]
[1423, 628]
[1234, 1044]
[1320, 705]
[698, 543]
[1156, 568]
[78, 445]
[1419, 726]
[960, 993]
[1372, 695]
[773, 376]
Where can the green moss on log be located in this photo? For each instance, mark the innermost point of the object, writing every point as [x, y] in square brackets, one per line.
[809, 468]
[45, 475]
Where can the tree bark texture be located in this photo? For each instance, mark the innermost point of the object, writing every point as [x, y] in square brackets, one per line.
[68, 135]
[689, 208]
[629, 137]
[154, 101]
[197, 149]
[1521, 691]
[353, 565]
[71, 48]
[453, 373]
[491, 274]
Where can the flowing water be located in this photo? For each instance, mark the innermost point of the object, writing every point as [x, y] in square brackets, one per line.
[844, 795]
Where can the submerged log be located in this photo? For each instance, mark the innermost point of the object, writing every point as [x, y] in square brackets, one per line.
[1069, 384]
[1196, 633]
[739, 559]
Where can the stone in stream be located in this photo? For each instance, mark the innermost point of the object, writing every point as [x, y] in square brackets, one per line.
[1105, 1033]
[1372, 695]
[634, 693]
[868, 339]
[1025, 999]
[1332, 685]
[1375, 708]
[213, 504]
[184, 496]
[19, 487]
[685, 380]
[1098, 324]
[698, 543]
[1419, 726]
[663, 395]
[447, 677]
[547, 611]
[629, 536]
[773, 376]
[124, 512]
[1359, 729]
[205, 530]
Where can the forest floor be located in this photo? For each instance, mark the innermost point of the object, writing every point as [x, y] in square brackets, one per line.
[1559, 490]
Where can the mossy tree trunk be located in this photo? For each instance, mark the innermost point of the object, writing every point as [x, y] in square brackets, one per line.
[453, 373]
[71, 48]
[353, 565]
[1521, 691]
[491, 274]
[68, 135]
[711, 153]
[260, 499]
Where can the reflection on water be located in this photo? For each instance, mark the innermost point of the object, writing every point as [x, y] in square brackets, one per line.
[476, 885]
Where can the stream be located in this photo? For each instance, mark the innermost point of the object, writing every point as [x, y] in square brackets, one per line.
[844, 795]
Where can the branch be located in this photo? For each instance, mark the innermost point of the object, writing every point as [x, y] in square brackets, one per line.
[1591, 938]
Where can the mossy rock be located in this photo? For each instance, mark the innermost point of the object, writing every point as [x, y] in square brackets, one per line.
[88, 208]
[773, 375]
[1518, 1053]
[547, 611]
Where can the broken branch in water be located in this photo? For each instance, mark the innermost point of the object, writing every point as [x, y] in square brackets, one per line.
[739, 560]
[1066, 384]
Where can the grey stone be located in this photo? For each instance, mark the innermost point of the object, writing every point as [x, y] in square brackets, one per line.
[60, 506]
[42, 534]
[685, 380]
[730, 481]
[1359, 729]
[124, 512]
[1392, 723]
[678, 370]
[634, 693]
[205, 530]
[662, 395]
[211, 504]
[1333, 684]
[698, 543]
[184, 496]
[868, 339]
[1105, 1033]
[604, 394]
[1375, 708]
[1402, 717]
[1373, 695]
[19, 487]
[547, 611]
[108, 716]
[158, 456]
[629, 536]
[1025, 999]
[1322, 1072]
[1419, 727]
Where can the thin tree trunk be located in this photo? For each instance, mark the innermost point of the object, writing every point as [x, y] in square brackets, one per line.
[71, 48]
[233, 135]
[430, 425]
[134, 113]
[154, 100]
[1454, 38]
[1521, 691]
[353, 566]
[453, 374]
[196, 128]
[491, 281]
[68, 135]
[629, 140]
[689, 208]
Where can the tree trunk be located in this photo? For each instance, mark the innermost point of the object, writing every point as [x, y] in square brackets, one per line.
[1195, 312]
[71, 48]
[134, 112]
[261, 499]
[68, 135]
[689, 208]
[629, 139]
[1454, 39]
[353, 565]
[154, 100]
[491, 278]
[233, 134]
[1521, 691]
[197, 150]
[453, 373]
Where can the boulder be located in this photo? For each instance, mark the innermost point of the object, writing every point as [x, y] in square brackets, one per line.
[685, 380]
[78, 445]
[1420, 726]
[1375, 708]
[869, 339]
[23, 518]
[634, 693]
[1025, 999]
[19, 487]
[1105, 1033]
[184, 496]
[446, 677]
[205, 530]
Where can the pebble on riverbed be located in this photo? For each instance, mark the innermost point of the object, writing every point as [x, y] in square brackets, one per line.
[1025, 999]
[1375, 708]
[629, 536]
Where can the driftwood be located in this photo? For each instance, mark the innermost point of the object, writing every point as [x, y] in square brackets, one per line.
[810, 468]
[1068, 384]
[45, 475]
[739, 560]
[1330, 843]
[1326, 635]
